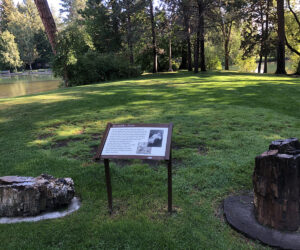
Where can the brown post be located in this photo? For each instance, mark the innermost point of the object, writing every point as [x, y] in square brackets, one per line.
[108, 185]
[170, 184]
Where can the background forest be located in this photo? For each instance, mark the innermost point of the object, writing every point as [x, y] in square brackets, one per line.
[100, 40]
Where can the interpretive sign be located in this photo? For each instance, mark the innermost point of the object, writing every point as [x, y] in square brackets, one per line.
[136, 141]
[141, 141]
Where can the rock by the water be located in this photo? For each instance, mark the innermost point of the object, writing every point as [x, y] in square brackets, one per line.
[29, 196]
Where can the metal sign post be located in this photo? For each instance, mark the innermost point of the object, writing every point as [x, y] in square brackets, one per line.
[136, 141]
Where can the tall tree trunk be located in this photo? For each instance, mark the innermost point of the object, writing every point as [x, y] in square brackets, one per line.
[170, 54]
[115, 24]
[202, 45]
[50, 28]
[66, 77]
[183, 64]
[226, 49]
[153, 38]
[48, 21]
[266, 64]
[188, 36]
[196, 52]
[298, 69]
[189, 52]
[281, 38]
[200, 39]
[266, 49]
[226, 31]
[260, 61]
[262, 41]
[129, 38]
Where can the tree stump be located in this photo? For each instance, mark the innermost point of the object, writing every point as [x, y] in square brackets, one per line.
[28, 196]
[276, 182]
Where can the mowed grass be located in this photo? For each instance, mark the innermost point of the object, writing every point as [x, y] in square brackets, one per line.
[221, 122]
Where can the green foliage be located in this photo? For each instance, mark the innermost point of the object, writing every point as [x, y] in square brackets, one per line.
[70, 9]
[77, 59]
[7, 10]
[213, 62]
[71, 44]
[246, 64]
[295, 61]
[43, 47]
[94, 67]
[292, 29]
[144, 58]
[9, 53]
[25, 24]
[99, 25]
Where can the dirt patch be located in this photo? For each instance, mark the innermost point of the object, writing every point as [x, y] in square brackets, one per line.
[122, 162]
[65, 142]
[177, 146]
[177, 162]
[119, 208]
[151, 163]
[219, 212]
[96, 136]
[55, 125]
[94, 149]
[80, 132]
[202, 150]
[162, 214]
[45, 136]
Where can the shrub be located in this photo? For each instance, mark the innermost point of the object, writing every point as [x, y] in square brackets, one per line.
[95, 67]
[77, 60]
[213, 63]
[212, 60]
[295, 62]
[246, 64]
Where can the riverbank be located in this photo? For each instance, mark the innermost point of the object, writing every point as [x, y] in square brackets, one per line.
[222, 120]
[27, 84]
[7, 74]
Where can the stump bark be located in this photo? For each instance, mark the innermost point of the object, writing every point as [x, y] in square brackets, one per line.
[276, 182]
[28, 196]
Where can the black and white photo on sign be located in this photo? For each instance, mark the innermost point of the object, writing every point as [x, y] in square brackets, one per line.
[155, 138]
[143, 148]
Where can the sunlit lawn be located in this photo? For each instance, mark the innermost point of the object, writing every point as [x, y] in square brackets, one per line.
[221, 122]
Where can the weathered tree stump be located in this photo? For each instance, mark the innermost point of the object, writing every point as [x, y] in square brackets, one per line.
[28, 196]
[276, 182]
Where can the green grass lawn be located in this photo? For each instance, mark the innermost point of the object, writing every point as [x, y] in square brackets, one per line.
[221, 122]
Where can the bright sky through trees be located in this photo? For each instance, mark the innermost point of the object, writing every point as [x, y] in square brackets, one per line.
[56, 3]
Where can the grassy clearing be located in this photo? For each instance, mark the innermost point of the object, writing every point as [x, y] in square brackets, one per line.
[221, 122]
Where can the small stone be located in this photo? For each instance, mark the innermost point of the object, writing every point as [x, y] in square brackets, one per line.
[29, 196]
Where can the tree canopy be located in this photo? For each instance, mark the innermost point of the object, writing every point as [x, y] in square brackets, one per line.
[159, 35]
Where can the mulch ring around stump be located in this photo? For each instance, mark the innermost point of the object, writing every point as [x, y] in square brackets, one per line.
[239, 213]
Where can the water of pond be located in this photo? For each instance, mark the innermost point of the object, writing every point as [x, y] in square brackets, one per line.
[26, 85]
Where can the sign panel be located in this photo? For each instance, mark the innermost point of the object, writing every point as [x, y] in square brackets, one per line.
[142, 141]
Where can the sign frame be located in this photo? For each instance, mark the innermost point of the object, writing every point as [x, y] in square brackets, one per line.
[167, 157]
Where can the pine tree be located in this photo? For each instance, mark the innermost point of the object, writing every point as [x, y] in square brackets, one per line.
[7, 10]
